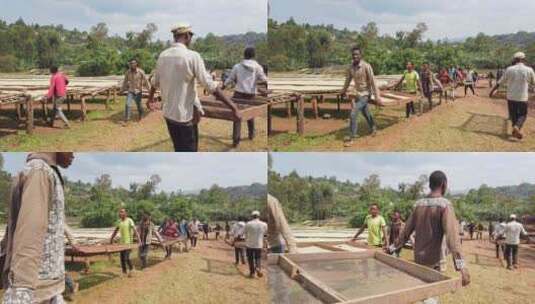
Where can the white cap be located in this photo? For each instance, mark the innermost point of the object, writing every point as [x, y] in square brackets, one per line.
[519, 55]
[181, 28]
[255, 213]
[513, 216]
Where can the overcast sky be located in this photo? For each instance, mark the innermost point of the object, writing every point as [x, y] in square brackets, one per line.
[185, 171]
[452, 18]
[464, 170]
[221, 17]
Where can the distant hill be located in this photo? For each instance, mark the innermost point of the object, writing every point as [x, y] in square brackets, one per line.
[522, 38]
[249, 38]
[255, 190]
[522, 191]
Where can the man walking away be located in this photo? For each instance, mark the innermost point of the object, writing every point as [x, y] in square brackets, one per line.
[365, 88]
[57, 92]
[178, 69]
[517, 78]
[254, 241]
[146, 230]
[238, 235]
[246, 75]
[513, 231]
[33, 246]
[376, 225]
[410, 83]
[396, 226]
[469, 82]
[280, 236]
[126, 228]
[428, 81]
[432, 220]
[194, 232]
[170, 231]
[217, 230]
[499, 238]
[227, 230]
[133, 83]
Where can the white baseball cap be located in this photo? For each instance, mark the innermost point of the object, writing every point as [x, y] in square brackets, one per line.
[513, 216]
[255, 213]
[519, 55]
[181, 28]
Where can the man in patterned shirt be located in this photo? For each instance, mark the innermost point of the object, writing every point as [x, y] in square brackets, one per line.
[33, 245]
[133, 83]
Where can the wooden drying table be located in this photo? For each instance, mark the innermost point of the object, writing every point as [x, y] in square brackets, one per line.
[21, 101]
[88, 251]
[249, 109]
[82, 94]
[343, 276]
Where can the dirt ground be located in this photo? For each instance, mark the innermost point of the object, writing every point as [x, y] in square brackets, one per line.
[104, 132]
[206, 274]
[474, 123]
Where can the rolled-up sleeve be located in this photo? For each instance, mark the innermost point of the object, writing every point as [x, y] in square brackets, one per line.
[31, 229]
[204, 78]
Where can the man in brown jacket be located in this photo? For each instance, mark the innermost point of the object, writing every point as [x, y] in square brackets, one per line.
[33, 245]
[280, 236]
[432, 219]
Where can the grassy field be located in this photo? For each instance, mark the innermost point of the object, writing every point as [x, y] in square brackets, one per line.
[475, 123]
[104, 132]
[204, 275]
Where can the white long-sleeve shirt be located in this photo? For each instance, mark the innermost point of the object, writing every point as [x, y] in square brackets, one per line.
[177, 70]
[254, 234]
[518, 78]
[245, 75]
[512, 232]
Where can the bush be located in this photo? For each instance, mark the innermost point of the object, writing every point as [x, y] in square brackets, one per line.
[99, 219]
[8, 63]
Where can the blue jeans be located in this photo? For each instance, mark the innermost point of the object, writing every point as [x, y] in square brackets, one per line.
[360, 105]
[137, 98]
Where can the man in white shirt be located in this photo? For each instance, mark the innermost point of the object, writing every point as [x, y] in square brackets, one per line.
[499, 230]
[517, 78]
[177, 71]
[246, 75]
[255, 230]
[512, 233]
[237, 232]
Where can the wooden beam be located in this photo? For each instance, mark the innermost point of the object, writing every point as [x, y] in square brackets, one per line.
[423, 273]
[29, 113]
[410, 295]
[84, 110]
[315, 109]
[301, 116]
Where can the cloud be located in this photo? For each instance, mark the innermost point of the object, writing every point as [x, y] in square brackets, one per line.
[451, 19]
[464, 170]
[188, 171]
[217, 16]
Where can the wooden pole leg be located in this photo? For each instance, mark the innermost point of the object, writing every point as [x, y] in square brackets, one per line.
[300, 116]
[338, 103]
[251, 129]
[269, 121]
[29, 120]
[236, 133]
[315, 107]
[289, 108]
[69, 99]
[108, 95]
[84, 110]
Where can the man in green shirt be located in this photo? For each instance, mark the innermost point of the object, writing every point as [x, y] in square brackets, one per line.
[126, 228]
[376, 225]
[410, 83]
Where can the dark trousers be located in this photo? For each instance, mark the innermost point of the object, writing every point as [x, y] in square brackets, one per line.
[125, 260]
[168, 251]
[511, 254]
[239, 255]
[518, 112]
[254, 258]
[137, 98]
[185, 137]
[193, 241]
[236, 132]
[471, 87]
[409, 109]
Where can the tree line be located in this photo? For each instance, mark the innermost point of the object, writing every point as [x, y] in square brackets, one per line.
[98, 53]
[298, 46]
[306, 198]
[96, 204]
